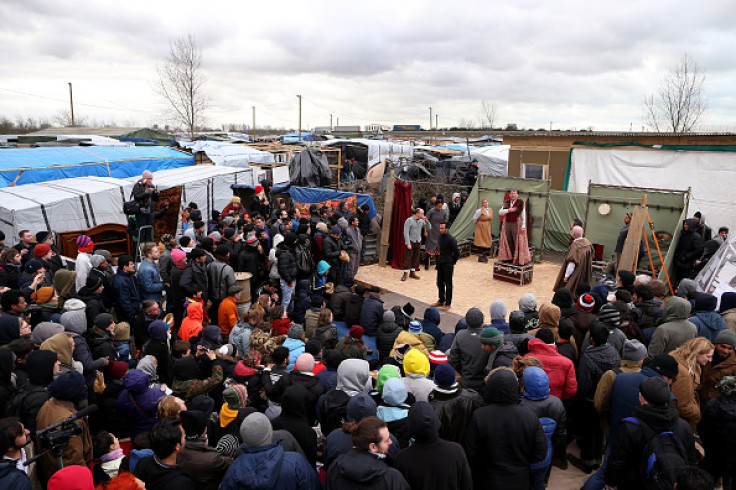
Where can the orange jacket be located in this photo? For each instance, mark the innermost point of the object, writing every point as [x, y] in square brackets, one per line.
[227, 315]
[191, 326]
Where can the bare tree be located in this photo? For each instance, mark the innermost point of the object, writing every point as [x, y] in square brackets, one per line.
[181, 84]
[64, 118]
[679, 103]
[488, 113]
[465, 123]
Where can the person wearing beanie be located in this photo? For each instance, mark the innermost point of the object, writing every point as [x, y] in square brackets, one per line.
[560, 370]
[126, 289]
[393, 409]
[101, 337]
[583, 318]
[517, 330]
[295, 342]
[42, 252]
[416, 369]
[436, 357]
[705, 318]
[388, 331]
[453, 404]
[528, 305]
[295, 420]
[71, 477]
[264, 463]
[500, 352]
[674, 329]
[83, 264]
[234, 208]
[722, 365]
[467, 355]
[413, 337]
[503, 439]
[536, 397]
[92, 295]
[205, 465]
[654, 415]
[610, 317]
[498, 316]
[65, 393]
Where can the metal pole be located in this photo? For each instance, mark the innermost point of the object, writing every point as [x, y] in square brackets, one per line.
[71, 102]
[254, 123]
[436, 123]
[430, 119]
[300, 117]
[330, 123]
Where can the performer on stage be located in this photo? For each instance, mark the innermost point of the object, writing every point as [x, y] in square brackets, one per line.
[514, 243]
[483, 237]
[578, 265]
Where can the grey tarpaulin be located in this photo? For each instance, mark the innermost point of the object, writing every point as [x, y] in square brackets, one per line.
[309, 168]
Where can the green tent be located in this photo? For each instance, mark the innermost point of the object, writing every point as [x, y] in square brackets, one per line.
[150, 134]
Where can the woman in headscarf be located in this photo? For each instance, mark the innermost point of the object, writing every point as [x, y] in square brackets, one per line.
[63, 345]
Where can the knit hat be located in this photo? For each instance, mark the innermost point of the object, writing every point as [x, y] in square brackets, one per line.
[498, 310]
[194, 423]
[105, 254]
[627, 277]
[665, 365]
[304, 363]
[360, 406]
[656, 391]
[32, 266]
[41, 250]
[586, 303]
[705, 302]
[437, 357]
[41, 236]
[177, 255]
[73, 477]
[727, 386]
[474, 318]
[74, 304]
[491, 336]
[416, 363]
[256, 431]
[195, 215]
[295, 331]
[528, 303]
[93, 283]
[336, 231]
[610, 315]
[118, 369]
[85, 243]
[445, 376]
[210, 337]
[103, 320]
[386, 372]
[259, 189]
[121, 332]
[147, 174]
[634, 351]
[42, 295]
[68, 387]
[407, 310]
[228, 445]
[96, 260]
[251, 240]
[415, 327]
[45, 330]
[236, 396]
[203, 403]
[726, 336]
[517, 321]
[356, 332]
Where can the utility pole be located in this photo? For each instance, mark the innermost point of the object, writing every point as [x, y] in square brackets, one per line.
[71, 102]
[436, 123]
[430, 119]
[300, 117]
[254, 123]
[330, 123]
[550, 125]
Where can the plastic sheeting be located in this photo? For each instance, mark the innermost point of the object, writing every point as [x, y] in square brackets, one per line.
[719, 276]
[33, 165]
[231, 155]
[709, 174]
[563, 208]
[492, 160]
[378, 150]
[315, 195]
[309, 168]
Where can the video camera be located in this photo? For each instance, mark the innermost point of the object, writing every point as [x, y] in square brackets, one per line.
[56, 437]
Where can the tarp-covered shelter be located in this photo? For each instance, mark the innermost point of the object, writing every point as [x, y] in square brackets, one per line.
[719, 275]
[230, 154]
[310, 168]
[368, 153]
[294, 137]
[83, 202]
[148, 135]
[709, 171]
[492, 160]
[19, 166]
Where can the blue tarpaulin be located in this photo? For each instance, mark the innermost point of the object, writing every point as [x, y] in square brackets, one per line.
[33, 165]
[309, 195]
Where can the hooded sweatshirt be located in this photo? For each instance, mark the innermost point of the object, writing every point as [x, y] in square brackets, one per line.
[59, 343]
[191, 326]
[40, 367]
[706, 320]
[352, 378]
[388, 330]
[537, 398]
[430, 324]
[294, 418]
[674, 329]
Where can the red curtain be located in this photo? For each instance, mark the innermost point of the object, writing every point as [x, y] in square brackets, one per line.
[402, 210]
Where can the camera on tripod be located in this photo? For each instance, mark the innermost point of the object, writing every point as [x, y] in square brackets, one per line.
[56, 437]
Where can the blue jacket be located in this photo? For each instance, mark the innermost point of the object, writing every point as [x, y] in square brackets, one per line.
[143, 417]
[371, 316]
[501, 325]
[270, 467]
[296, 348]
[128, 300]
[150, 281]
[709, 324]
[430, 324]
[548, 426]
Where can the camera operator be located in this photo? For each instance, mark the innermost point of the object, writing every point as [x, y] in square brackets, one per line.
[65, 392]
[146, 195]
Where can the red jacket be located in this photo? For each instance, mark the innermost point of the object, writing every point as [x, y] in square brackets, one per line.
[561, 371]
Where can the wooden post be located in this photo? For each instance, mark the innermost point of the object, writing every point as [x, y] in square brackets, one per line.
[388, 209]
[630, 253]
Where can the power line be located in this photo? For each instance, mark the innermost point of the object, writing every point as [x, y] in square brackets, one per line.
[78, 103]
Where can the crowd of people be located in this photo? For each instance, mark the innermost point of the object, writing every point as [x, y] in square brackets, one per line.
[159, 376]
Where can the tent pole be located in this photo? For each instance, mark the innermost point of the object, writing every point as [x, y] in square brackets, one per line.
[388, 207]
[544, 221]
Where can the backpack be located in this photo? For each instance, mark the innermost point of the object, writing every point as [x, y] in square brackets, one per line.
[304, 260]
[16, 406]
[664, 457]
[131, 207]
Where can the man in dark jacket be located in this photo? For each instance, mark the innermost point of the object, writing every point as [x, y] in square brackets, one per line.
[386, 336]
[449, 253]
[689, 249]
[371, 313]
[127, 295]
[626, 466]
[503, 438]
[265, 464]
[432, 463]
[332, 247]
[431, 324]
[160, 471]
[338, 301]
[453, 404]
[466, 355]
[205, 466]
[354, 306]
[196, 272]
[286, 256]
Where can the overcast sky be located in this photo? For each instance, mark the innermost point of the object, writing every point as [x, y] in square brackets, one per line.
[575, 64]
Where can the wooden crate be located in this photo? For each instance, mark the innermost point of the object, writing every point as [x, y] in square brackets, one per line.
[515, 274]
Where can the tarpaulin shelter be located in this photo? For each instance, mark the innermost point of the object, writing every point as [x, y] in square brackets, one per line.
[147, 135]
[708, 170]
[719, 275]
[368, 153]
[230, 154]
[294, 137]
[310, 168]
[20, 166]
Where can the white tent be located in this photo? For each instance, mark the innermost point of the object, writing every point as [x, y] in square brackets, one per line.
[378, 150]
[229, 154]
[709, 174]
[719, 275]
[83, 202]
[492, 160]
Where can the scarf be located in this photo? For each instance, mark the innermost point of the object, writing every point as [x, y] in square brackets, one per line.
[227, 415]
[112, 455]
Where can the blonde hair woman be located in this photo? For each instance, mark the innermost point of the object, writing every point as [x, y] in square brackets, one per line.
[691, 357]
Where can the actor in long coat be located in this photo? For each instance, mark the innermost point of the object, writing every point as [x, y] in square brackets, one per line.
[483, 238]
[578, 265]
[436, 215]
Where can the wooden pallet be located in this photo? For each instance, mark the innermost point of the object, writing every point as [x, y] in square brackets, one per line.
[520, 275]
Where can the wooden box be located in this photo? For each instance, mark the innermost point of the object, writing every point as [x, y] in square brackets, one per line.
[520, 275]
